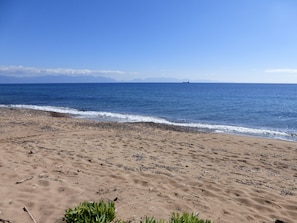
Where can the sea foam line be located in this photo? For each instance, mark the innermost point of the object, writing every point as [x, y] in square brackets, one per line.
[92, 114]
[110, 116]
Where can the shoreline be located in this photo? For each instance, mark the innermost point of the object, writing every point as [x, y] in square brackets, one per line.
[152, 169]
[195, 127]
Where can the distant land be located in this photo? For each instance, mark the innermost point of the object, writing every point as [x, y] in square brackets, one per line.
[159, 80]
[48, 79]
[54, 79]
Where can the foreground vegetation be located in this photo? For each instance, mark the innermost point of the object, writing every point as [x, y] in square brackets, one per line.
[104, 212]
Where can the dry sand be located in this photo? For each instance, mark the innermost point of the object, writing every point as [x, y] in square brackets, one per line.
[49, 163]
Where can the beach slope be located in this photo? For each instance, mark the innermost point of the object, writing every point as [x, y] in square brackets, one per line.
[49, 162]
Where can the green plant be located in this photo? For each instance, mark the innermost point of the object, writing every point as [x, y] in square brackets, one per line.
[151, 220]
[121, 221]
[186, 218]
[91, 212]
[104, 212]
[177, 218]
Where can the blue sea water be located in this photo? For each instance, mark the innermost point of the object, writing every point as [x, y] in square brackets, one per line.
[265, 110]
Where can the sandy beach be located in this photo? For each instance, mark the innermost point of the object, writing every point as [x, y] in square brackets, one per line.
[49, 163]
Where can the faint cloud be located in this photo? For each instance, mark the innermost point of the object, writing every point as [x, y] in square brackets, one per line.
[34, 71]
[282, 70]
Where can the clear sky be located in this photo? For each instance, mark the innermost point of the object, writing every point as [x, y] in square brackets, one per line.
[213, 40]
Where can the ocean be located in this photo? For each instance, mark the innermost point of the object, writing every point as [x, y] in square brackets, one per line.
[263, 110]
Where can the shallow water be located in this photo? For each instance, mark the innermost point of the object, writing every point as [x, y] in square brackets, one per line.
[266, 110]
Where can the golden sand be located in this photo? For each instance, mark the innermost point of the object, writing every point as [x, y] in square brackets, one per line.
[49, 163]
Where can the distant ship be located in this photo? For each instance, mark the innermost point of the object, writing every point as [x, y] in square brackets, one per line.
[186, 82]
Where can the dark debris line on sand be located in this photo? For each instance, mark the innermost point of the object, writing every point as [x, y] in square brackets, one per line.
[4, 221]
[279, 221]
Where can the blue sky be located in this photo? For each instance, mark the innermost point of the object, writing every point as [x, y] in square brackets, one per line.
[213, 40]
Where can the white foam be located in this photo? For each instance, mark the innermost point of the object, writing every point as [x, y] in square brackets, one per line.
[110, 116]
[235, 129]
[63, 110]
[93, 114]
[126, 117]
